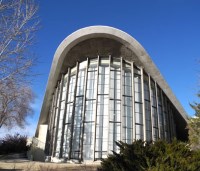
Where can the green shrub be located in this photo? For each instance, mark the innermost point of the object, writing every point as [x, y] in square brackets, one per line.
[157, 156]
[13, 144]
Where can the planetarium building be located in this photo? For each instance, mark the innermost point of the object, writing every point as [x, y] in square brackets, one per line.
[103, 87]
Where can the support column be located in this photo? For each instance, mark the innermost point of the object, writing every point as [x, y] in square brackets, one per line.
[51, 126]
[83, 112]
[143, 106]
[122, 99]
[54, 121]
[151, 108]
[164, 117]
[133, 99]
[150, 105]
[109, 105]
[158, 119]
[96, 105]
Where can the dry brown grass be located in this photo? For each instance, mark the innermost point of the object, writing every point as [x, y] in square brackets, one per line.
[41, 166]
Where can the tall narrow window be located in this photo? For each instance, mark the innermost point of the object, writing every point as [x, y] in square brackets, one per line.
[89, 122]
[154, 111]
[166, 120]
[138, 104]
[57, 137]
[53, 127]
[147, 108]
[68, 118]
[160, 113]
[61, 115]
[115, 104]
[127, 133]
[101, 147]
[77, 126]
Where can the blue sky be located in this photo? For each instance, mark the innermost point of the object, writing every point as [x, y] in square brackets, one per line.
[169, 30]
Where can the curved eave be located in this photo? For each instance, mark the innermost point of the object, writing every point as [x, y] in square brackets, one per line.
[104, 32]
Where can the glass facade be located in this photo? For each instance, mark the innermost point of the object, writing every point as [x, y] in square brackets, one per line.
[103, 100]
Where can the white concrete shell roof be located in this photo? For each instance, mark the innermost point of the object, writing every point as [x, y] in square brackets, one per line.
[93, 32]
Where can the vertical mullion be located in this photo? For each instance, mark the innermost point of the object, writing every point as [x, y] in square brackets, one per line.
[174, 124]
[109, 104]
[151, 108]
[51, 124]
[73, 110]
[51, 114]
[167, 120]
[122, 99]
[163, 113]
[143, 106]
[150, 101]
[65, 110]
[170, 120]
[133, 99]
[83, 111]
[97, 81]
[158, 117]
[54, 120]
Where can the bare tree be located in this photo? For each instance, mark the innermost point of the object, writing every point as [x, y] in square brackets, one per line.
[14, 104]
[18, 23]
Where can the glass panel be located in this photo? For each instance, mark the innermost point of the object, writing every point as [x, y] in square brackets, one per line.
[138, 132]
[104, 62]
[92, 65]
[77, 128]
[71, 88]
[138, 94]
[90, 110]
[67, 130]
[82, 65]
[137, 70]
[101, 127]
[88, 141]
[80, 83]
[115, 63]
[161, 113]
[115, 84]
[91, 85]
[103, 84]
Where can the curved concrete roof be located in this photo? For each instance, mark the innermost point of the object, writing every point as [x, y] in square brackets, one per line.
[93, 32]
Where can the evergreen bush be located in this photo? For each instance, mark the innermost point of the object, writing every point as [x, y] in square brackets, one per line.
[152, 156]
